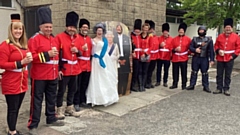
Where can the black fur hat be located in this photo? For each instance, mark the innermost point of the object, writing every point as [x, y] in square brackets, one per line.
[72, 19]
[152, 24]
[44, 15]
[228, 21]
[84, 21]
[183, 26]
[165, 27]
[15, 17]
[138, 24]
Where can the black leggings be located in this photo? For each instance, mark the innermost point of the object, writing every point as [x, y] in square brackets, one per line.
[13, 105]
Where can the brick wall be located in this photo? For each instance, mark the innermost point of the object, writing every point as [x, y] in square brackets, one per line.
[125, 11]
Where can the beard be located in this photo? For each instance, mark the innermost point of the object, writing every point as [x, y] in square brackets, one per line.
[71, 32]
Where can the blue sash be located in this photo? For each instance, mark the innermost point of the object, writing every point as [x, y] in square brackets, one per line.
[102, 54]
[111, 50]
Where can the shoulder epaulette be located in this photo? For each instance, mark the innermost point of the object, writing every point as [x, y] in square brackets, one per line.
[35, 35]
[151, 35]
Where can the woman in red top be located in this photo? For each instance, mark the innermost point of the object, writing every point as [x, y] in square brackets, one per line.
[144, 57]
[14, 58]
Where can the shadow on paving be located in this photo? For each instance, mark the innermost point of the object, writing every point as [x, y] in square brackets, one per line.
[187, 113]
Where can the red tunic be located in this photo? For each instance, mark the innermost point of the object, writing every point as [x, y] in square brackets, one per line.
[154, 43]
[136, 42]
[71, 66]
[230, 45]
[184, 43]
[15, 78]
[166, 51]
[145, 45]
[43, 66]
[84, 60]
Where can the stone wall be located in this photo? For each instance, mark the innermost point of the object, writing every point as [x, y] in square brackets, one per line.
[125, 11]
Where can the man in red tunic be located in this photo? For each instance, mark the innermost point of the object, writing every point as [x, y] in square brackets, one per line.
[180, 51]
[154, 49]
[227, 48]
[164, 56]
[84, 62]
[135, 37]
[69, 43]
[44, 72]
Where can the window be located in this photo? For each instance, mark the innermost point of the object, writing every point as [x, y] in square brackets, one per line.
[180, 20]
[5, 3]
[171, 19]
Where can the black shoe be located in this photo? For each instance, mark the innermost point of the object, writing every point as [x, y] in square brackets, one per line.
[142, 89]
[217, 91]
[152, 86]
[183, 87]
[148, 86]
[173, 87]
[206, 89]
[77, 108]
[227, 93]
[165, 85]
[190, 87]
[57, 123]
[135, 89]
[84, 105]
[157, 84]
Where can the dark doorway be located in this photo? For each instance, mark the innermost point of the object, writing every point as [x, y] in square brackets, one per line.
[31, 20]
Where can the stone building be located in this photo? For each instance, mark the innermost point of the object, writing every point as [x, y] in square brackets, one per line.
[125, 11]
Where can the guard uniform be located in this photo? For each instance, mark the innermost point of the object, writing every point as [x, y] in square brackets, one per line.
[136, 39]
[201, 60]
[144, 62]
[164, 56]
[180, 59]
[69, 66]
[84, 62]
[154, 43]
[230, 45]
[44, 73]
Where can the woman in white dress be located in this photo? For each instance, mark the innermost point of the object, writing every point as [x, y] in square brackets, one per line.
[102, 85]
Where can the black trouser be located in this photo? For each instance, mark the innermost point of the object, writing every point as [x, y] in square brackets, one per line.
[71, 83]
[201, 63]
[224, 70]
[135, 73]
[13, 105]
[49, 87]
[83, 81]
[122, 83]
[166, 65]
[175, 72]
[151, 68]
[142, 73]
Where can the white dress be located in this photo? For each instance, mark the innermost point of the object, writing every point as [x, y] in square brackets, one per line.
[114, 59]
[102, 88]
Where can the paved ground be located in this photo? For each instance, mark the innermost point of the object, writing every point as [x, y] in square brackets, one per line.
[158, 111]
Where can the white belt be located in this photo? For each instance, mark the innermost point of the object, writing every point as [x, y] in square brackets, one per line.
[84, 58]
[55, 62]
[137, 49]
[227, 52]
[155, 51]
[145, 50]
[19, 70]
[70, 61]
[182, 53]
[164, 50]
